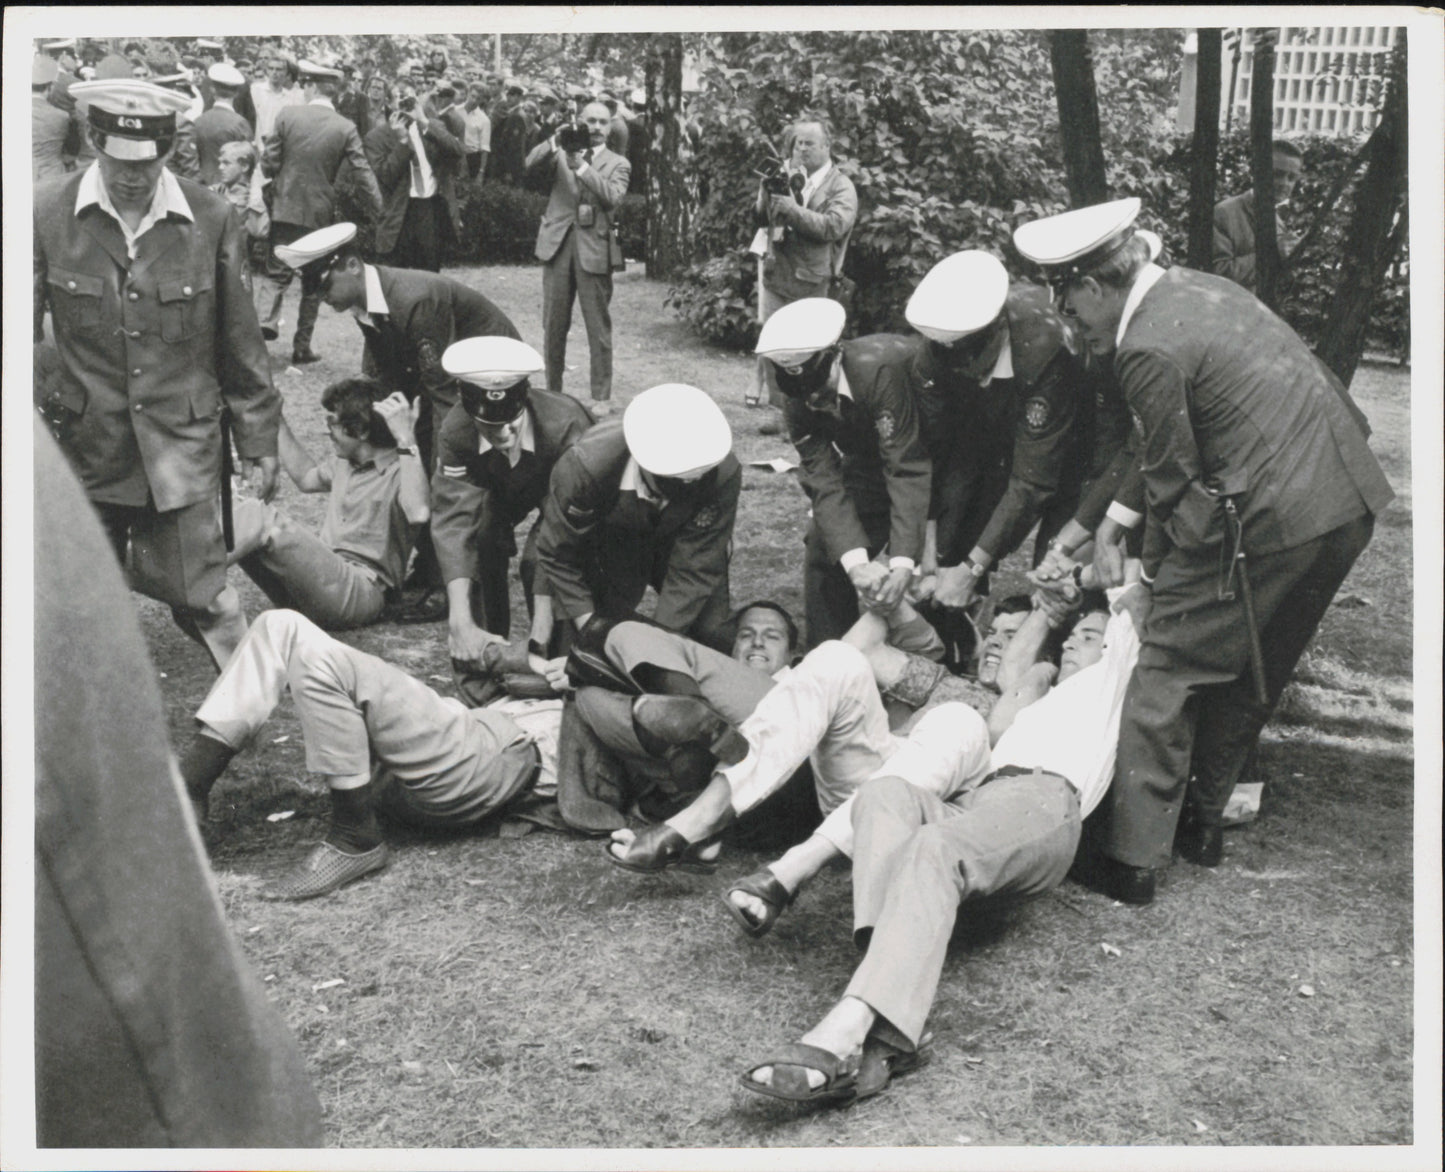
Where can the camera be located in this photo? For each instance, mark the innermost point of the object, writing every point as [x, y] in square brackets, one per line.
[573, 137]
[781, 178]
[407, 105]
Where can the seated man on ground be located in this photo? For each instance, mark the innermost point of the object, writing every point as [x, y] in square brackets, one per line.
[378, 495]
[949, 821]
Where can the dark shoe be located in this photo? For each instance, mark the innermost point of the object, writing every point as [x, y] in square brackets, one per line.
[883, 1062]
[761, 885]
[664, 723]
[1133, 885]
[270, 333]
[304, 356]
[790, 1079]
[324, 870]
[1201, 845]
[431, 607]
[659, 847]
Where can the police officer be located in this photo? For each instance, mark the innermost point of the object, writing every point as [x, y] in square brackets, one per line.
[408, 318]
[50, 127]
[1006, 404]
[647, 500]
[851, 413]
[141, 272]
[497, 448]
[1248, 444]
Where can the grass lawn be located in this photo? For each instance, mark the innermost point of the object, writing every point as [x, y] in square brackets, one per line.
[523, 992]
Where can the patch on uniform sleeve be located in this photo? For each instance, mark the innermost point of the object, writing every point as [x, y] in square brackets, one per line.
[1138, 422]
[886, 425]
[706, 517]
[427, 356]
[1037, 414]
[457, 471]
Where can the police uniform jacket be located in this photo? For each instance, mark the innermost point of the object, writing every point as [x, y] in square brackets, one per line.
[872, 442]
[811, 251]
[602, 186]
[304, 156]
[390, 153]
[475, 489]
[426, 313]
[1231, 402]
[586, 504]
[1027, 427]
[214, 129]
[50, 135]
[151, 350]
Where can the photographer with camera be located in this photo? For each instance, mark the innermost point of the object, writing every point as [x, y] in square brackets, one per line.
[577, 243]
[806, 211]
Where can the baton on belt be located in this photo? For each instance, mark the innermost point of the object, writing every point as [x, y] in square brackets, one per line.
[1246, 596]
[228, 528]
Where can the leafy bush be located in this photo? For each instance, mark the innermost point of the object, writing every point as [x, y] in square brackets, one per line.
[499, 223]
[631, 220]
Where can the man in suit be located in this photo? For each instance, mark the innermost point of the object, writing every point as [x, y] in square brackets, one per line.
[807, 229]
[220, 124]
[1234, 220]
[1247, 445]
[576, 245]
[509, 138]
[141, 272]
[498, 445]
[414, 155]
[50, 127]
[407, 319]
[303, 159]
[852, 414]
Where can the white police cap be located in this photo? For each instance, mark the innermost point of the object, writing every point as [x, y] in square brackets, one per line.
[676, 430]
[1071, 244]
[134, 116]
[315, 245]
[958, 296]
[228, 75]
[315, 70]
[800, 329]
[492, 363]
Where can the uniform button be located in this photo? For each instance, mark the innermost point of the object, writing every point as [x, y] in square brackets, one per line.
[70, 284]
[133, 295]
[186, 290]
[140, 406]
[136, 372]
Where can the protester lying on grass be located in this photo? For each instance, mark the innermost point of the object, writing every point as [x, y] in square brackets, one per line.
[946, 820]
[378, 495]
[827, 711]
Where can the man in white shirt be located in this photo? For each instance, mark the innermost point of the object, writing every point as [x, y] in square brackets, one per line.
[276, 92]
[478, 142]
[946, 820]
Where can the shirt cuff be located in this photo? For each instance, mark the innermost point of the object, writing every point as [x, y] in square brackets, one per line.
[1124, 515]
[583, 168]
[907, 563]
[853, 558]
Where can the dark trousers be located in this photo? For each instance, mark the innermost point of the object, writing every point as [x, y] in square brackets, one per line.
[277, 279]
[1192, 692]
[830, 603]
[422, 237]
[491, 588]
[629, 562]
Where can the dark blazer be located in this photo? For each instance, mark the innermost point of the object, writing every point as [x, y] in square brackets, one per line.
[872, 445]
[304, 155]
[214, 128]
[427, 313]
[390, 153]
[472, 492]
[602, 185]
[1228, 397]
[50, 134]
[1234, 252]
[151, 349]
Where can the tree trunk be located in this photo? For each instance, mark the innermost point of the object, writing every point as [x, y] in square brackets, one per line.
[1073, 70]
[1261, 165]
[1376, 230]
[1204, 153]
[669, 208]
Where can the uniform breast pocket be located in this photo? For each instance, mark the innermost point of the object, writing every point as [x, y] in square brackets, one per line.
[185, 306]
[75, 301]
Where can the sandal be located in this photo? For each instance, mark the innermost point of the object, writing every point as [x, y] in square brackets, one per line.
[761, 884]
[840, 1075]
[659, 847]
[882, 1062]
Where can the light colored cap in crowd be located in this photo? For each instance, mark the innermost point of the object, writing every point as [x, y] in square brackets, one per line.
[315, 245]
[960, 295]
[134, 116]
[312, 69]
[1072, 243]
[676, 430]
[800, 329]
[58, 46]
[637, 99]
[223, 74]
[43, 70]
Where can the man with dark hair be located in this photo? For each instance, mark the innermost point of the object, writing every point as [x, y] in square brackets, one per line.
[578, 247]
[509, 138]
[1235, 218]
[852, 414]
[1004, 623]
[378, 495]
[303, 157]
[806, 231]
[1249, 444]
[142, 274]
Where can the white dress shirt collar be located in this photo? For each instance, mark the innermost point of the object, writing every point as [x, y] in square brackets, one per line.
[527, 439]
[1142, 284]
[168, 199]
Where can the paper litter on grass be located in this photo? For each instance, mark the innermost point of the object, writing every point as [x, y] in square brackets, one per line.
[777, 464]
[1243, 804]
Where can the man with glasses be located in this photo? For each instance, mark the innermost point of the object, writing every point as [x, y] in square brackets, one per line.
[1006, 401]
[496, 451]
[851, 413]
[408, 319]
[1248, 443]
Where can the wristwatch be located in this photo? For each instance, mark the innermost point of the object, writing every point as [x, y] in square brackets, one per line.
[409, 450]
[537, 648]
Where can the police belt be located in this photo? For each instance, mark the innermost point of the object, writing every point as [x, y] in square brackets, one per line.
[1233, 567]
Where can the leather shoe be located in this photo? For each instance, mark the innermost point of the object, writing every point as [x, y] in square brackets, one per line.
[1132, 885]
[304, 357]
[325, 869]
[270, 333]
[1200, 844]
[660, 847]
[664, 723]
